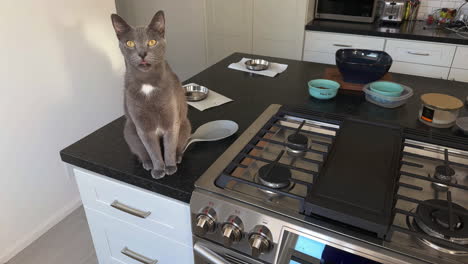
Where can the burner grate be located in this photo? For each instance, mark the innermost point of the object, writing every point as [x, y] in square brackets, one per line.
[413, 181]
[319, 131]
[444, 204]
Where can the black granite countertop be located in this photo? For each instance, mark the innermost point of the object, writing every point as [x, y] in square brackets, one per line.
[412, 30]
[105, 151]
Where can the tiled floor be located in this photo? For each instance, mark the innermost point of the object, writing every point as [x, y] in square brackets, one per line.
[69, 242]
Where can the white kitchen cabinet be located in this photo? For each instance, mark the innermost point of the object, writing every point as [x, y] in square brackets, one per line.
[117, 242]
[278, 27]
[319, 57]
[461, 58]
[421, 52]
[229, 28]
[99, 193]
[420, 70]
[322, 46]
[428, 59]
[460, 75]
[121, 215]
[264, 27]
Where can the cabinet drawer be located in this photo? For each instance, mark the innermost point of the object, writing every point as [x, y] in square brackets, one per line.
[117, 242]
[461, 58]
[458, 75]
[166, 216]
[422, 53]
[330, 43]
[420, 70]
[319, 57]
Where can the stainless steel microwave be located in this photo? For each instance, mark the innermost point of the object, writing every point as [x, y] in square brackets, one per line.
[347, 10]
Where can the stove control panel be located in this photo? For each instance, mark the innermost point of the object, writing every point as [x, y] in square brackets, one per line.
[232, 230]
[260, 240]
[206, 221]
[235, 227]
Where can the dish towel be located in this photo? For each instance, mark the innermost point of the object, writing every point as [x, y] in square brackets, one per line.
[272, 71]
[214, 99]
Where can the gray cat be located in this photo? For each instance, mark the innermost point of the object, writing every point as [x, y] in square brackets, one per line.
[155, 105]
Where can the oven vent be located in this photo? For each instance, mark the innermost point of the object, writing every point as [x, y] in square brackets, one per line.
[416, 132]
[437, 138]
[312, 114]
[335, 116]
[234, 260]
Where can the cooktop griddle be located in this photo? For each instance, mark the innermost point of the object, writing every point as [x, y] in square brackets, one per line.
[357, 182]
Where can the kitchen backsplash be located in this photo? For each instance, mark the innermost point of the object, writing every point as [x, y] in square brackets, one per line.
[428, 6]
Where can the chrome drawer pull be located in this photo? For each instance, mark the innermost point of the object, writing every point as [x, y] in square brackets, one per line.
[343, 45]
[138, 257]
[418, 54]
[129, 210]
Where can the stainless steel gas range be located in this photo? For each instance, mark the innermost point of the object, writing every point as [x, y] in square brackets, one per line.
[300, 186]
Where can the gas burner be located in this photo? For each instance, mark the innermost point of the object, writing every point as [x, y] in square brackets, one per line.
[444, 173]
[274, 176]
[435, 221]
[413, 225]
[432, 220]
[297, 143]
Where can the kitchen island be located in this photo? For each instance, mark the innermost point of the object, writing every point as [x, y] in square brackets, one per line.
[135, 217]
[106, 152]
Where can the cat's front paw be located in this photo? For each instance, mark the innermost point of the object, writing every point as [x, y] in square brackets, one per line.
[179, 159]
[147, 165]
[171, 170]
[158, 174]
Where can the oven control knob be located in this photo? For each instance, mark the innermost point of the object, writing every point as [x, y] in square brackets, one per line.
[232, 230]
[206, 221]
[260, 240]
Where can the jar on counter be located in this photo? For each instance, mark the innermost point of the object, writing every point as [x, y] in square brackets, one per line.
[439, 110]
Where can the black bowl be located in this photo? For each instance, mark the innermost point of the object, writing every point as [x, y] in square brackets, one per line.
[362, 66]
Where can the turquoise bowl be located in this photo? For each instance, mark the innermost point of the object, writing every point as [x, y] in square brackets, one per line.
[323, 89]
[387, 88]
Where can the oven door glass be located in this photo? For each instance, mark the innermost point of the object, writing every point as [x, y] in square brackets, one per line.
[361, 8]
[299, 249]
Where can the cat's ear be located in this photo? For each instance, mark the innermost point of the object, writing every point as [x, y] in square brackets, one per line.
[158, 23]
[120, 26]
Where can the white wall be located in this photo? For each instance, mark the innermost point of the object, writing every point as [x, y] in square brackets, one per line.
[60, 79]
[185, 30]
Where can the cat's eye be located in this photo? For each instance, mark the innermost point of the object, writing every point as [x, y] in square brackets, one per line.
[130, 44]
[152, 42]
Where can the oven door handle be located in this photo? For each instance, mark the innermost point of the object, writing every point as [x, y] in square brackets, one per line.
[208, 254]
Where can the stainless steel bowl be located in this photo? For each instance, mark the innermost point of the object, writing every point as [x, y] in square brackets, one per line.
[257, 64]
[195, 93]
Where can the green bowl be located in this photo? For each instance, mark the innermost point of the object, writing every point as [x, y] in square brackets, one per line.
[387, 88]
[323, 89]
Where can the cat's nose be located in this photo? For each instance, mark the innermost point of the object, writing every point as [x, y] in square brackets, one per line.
[142, 54]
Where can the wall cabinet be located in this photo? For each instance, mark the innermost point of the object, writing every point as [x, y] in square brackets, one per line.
[128, 223]
[264, 27]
